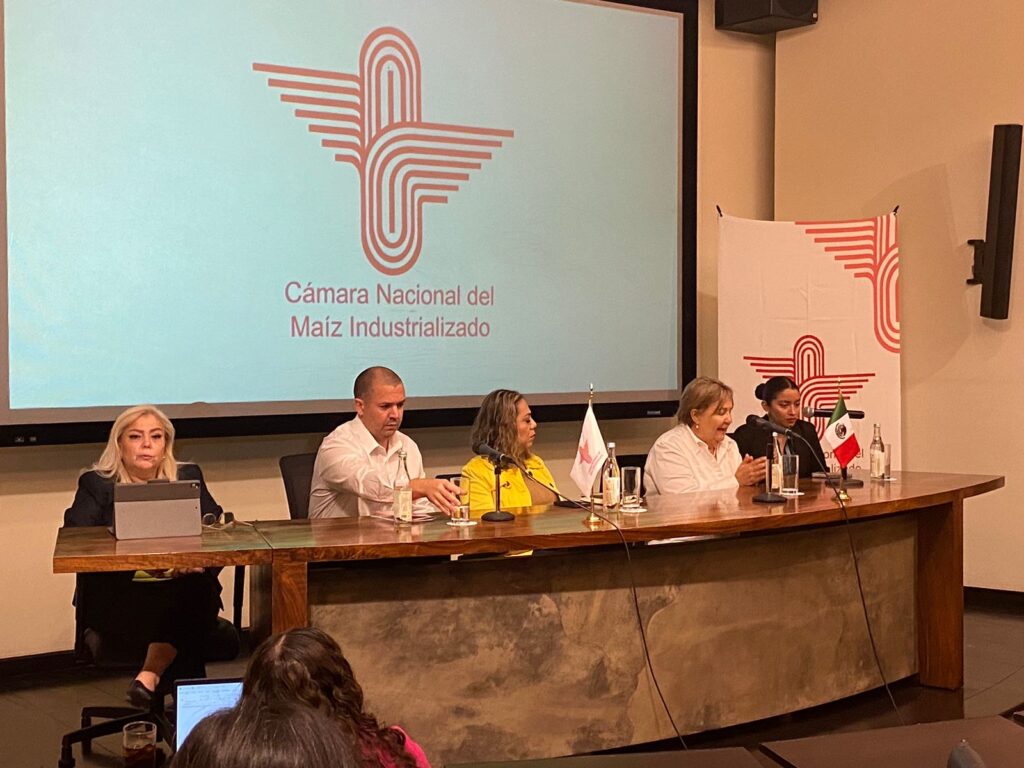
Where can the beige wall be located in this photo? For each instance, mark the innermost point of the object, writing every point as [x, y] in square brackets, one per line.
[886, 103]
[735, 134]
[37, 484]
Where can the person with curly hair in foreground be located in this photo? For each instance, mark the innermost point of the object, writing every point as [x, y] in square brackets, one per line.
[275, 737]
[306, 666]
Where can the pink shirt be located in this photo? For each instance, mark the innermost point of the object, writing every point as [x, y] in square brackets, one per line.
[414, 750]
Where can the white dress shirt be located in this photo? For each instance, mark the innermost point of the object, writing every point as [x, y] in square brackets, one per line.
[354, 476]
[680, 462]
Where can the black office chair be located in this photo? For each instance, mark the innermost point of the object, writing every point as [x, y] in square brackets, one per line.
[91, 647]
[297, 474]
[632, 460]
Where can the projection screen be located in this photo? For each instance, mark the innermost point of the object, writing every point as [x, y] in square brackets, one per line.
[231, 208]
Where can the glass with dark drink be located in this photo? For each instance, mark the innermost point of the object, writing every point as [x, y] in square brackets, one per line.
[139, 739]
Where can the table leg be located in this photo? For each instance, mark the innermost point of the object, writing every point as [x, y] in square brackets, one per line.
[289, 589]
[940, 595]
[277, 597]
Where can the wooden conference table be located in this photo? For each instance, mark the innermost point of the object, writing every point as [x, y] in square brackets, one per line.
[761, 617]
[939, 563]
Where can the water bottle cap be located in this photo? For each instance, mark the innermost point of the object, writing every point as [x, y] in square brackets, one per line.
[611, 445]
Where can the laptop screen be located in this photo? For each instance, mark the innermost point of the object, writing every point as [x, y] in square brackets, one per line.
[195, 699]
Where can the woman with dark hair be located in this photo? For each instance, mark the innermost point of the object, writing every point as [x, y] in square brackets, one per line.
[170, 611]
[306, 667]
[505, 423]
[698, 454]
[780, 399]
[272, 737]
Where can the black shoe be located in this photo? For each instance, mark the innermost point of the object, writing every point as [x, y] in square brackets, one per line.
[139, 695]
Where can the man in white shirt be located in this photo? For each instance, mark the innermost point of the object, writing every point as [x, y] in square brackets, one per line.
[355, 468]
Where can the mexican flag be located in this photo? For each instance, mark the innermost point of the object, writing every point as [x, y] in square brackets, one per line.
[839, 434]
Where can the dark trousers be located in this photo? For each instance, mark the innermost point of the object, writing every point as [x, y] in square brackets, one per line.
[132, 614]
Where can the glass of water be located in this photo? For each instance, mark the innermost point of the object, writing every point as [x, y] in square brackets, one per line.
[460, 516]
[631, 484]
[790, 474]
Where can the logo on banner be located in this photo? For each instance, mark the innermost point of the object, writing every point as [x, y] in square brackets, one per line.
[868, 248]
[373, 121]
[806, 366]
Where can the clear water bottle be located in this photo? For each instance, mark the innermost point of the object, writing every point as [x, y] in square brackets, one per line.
[774, 470]
[402, 504]
[611, 483]
[876, 454]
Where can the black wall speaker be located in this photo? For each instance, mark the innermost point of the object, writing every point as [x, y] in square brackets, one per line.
[761, 16]
[997, 262]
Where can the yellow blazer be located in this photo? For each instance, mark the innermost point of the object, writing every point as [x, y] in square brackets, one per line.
[515, 489]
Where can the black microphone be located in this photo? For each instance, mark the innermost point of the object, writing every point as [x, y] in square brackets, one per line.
[483, 449]
[771, 426]
[824, 413]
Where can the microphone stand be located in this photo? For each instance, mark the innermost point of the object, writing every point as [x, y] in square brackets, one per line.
[497, 516]
[769, 496]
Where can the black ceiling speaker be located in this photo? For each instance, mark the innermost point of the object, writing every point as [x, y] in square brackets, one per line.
[762, 16]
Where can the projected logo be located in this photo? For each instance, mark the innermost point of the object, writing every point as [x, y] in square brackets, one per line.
[373, 121]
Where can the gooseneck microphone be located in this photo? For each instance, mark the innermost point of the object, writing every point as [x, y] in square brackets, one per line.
[500, 460]
[771, 426]
[483, 449]
[825, 413]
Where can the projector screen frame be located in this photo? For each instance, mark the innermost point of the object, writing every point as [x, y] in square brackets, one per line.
[65, 433]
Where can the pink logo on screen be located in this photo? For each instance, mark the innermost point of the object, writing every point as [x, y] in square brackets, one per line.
[373, 121]
[870, 249]
[806, 366]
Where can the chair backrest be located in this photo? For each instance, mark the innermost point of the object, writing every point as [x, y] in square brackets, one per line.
[297, 473]
[632, 460]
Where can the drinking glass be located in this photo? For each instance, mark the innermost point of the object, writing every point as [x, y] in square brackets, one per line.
[887, 473]
[139, 741]
[460, 515]
[631, 483]
[790, 474]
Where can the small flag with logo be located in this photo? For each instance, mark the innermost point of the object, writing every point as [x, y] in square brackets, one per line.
[590, 455]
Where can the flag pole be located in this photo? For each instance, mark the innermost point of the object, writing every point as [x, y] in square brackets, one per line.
[593, 519]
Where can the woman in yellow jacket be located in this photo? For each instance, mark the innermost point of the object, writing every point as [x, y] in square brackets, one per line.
[505, 423]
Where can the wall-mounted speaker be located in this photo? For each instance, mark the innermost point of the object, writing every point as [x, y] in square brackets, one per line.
[762, 16]
[997, 248]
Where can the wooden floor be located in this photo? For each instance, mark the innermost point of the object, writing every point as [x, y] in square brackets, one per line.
[36, 709]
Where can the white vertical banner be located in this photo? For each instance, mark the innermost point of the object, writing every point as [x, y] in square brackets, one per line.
[817, 301]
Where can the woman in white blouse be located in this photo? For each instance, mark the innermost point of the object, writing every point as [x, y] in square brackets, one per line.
[698, 454]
